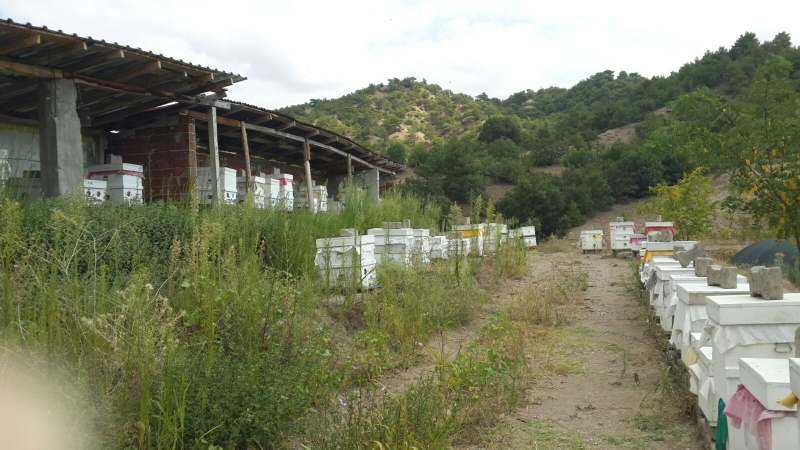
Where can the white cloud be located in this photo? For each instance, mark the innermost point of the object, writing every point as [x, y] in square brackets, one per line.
[293, 51]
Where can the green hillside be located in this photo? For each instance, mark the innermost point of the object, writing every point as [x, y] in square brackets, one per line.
[722, 112]
[405, 110]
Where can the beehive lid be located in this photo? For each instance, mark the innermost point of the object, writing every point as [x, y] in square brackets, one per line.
[748, 310]
[665, 272]
[695, 293]
[391, 231]
[794, 375]
[345, 241]
[663, 259]
[422, 232]
[767, 379]
[115, 167]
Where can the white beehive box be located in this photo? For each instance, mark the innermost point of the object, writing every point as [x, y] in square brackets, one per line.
[124, 181]
[422, 246]
[660, 299]
[459, 247]
[94, 191]
[496, 235]
[528, 236]
[706, 388]
[347, 260]
[619, 235]
[768, 380]
[285, 190]
[744, 326]
[591, 240]
[259, 190]
[393, 245]
[476, 233]
[227, 181]
[439, 247]
[690, 309]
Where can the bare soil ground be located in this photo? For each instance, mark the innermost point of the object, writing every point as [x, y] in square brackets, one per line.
[615, 391]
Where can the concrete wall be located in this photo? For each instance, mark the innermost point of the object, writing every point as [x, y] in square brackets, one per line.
[19, 150]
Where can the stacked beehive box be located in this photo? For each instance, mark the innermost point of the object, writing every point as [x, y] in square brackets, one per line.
[439, 247]
[227, 181]
[422, 246]
[393, 243]
[263, 194]
[458, 246]
[496, 235]
[476, 233]
[123, 181]
[94, 191]
[285, 190]
[347, 261]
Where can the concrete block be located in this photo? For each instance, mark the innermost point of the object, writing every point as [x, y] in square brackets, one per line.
[766, 282]
[724, 277]
[686, 257]
[701, 265]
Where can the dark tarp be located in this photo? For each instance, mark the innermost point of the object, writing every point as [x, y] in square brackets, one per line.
[763, 254]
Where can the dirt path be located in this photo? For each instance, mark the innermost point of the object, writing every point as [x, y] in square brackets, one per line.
[614, 390]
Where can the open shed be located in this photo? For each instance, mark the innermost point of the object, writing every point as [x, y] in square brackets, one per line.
[67, 102]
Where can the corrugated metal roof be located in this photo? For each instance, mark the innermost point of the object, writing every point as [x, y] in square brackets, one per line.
[8, 24]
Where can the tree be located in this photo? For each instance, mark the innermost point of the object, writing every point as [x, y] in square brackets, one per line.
[688, 204]
[497, 127]
[397, 151]
[766, 144]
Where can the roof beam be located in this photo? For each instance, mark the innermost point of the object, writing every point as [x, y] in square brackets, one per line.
[288, 136]
[54, 55]
[97, 60]
[146, 68]
[21, 43]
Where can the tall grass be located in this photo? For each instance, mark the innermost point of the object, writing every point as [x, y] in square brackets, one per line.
[182, 328]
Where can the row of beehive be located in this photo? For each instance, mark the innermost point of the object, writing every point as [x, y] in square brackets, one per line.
[736, 337]
[623, 236]
[350, 259]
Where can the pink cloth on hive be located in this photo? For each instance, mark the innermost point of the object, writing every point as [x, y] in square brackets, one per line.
[744, 408]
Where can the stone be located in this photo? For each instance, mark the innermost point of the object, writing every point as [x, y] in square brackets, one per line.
[701, 265]
[766, 282]
[724, 277]
[686, 257]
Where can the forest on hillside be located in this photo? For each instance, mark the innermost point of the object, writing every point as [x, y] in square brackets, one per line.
[733, 110]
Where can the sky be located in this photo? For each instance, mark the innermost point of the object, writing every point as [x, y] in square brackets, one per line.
[293, 51]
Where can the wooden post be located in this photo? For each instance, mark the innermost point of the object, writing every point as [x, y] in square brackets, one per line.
[248, 180]
[213, 151]
[349, 169]
[307, 165]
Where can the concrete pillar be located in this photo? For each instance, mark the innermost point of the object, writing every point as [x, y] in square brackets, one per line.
[60, 147]
[372, 179]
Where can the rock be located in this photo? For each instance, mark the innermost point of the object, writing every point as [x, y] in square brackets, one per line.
[766, 282]
[701, 265]
[724, 277]
[686, 257]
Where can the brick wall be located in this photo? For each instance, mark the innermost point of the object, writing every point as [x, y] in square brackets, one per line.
[168, 154]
